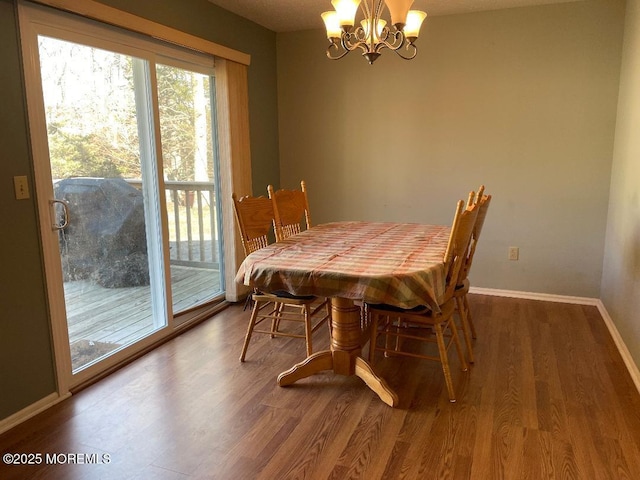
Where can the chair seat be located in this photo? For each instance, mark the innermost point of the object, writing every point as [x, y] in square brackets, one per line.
[285, 294]
[419, 314]
[283, 297]
[392, 308]
[463, 288]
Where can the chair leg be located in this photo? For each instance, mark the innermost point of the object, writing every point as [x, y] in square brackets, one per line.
[399, 327]
[374, 336]
[252, 324]
[248, 302]
[456, 340]
[467, 311]
[389, 324]
[444, 360]
[465, 327]
[308, 329]
[275, 322]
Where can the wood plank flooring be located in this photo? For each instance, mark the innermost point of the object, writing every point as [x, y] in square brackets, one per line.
[548, 397]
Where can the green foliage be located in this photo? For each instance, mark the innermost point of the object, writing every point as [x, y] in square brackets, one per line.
[181, 100]
[176, 122]
[74, 155]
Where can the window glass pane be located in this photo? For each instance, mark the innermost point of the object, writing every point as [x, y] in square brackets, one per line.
[189, 169]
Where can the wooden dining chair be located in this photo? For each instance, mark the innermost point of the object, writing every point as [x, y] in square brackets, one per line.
[291, 209]
[462, 285]
[398, 326]
[292, 215]
[255, 218]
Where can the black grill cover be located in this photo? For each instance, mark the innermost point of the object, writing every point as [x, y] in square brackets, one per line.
[105, 238]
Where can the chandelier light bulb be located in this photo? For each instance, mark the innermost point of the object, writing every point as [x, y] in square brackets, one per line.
[414, 22]
[366, 26]
[398, 10]
[346, 10]
[332, 24]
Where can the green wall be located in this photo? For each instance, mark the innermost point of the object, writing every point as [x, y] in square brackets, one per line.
[26, 367]
[621, 277]
[26, 362]
[522, 100]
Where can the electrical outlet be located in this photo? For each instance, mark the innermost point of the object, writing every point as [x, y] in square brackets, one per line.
[514, 253]
[21, 186]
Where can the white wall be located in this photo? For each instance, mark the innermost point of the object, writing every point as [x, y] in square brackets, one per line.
[621, 277]
[522, 100]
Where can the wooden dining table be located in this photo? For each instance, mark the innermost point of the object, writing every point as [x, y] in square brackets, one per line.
[400, 264]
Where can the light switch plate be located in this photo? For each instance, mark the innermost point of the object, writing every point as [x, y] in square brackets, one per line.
[21, 186]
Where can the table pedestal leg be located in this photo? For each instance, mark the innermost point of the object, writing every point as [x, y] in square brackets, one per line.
[344, 357]
[375, 383]
[316, 363]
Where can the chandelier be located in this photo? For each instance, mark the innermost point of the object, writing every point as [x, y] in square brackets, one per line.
[373, 34]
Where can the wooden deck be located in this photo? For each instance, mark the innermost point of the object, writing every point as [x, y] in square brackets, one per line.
[112, 317]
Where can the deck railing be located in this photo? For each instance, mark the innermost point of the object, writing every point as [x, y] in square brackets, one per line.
[193, 233]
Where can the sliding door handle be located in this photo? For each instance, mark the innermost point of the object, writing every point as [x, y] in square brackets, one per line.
[65, 219]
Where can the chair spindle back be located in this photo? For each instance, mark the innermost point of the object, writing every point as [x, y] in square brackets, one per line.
[255, 219]
[461, 231]
[291, 210]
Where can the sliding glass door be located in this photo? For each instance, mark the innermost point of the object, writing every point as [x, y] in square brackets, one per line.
[109, 240]
[126, 170]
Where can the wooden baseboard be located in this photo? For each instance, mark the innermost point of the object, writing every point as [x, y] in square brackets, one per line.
[31, 411]
[545, 297]
[632, 367]
[622, 347]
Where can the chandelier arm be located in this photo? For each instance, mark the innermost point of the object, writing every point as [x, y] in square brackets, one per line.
[335, 46]
[364, 46]
[398, 39]
[352, 40]
[380, 46]
[358, 35]
[384, 44]
[410, 56]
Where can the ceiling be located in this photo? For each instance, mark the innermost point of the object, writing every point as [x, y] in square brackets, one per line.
[292, 15]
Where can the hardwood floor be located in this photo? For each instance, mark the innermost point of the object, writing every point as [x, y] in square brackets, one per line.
[548, 397]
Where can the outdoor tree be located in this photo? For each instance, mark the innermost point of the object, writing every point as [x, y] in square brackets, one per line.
[92, 120]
